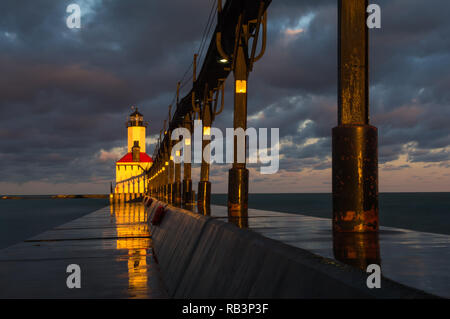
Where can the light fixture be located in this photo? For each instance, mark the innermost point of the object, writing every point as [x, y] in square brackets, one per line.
[223, 60]
[187, 141]
[241, 86]
[167, 164]
[206, 130]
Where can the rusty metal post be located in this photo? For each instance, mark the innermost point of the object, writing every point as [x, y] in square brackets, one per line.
[170, 173]
[177, 186]
[187, 181]
[161, 179]
[158, 180]
[161, 182]
[155, 179]
[238, 174]
[204, 185]
[355, 150]
[166, 176]
[188, 197]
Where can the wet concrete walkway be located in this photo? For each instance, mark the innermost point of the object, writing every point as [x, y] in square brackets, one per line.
[112, 246]
[416, 259]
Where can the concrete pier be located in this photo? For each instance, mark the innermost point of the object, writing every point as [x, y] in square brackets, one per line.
[276, 255]
[415, 259]
[111, 246]
[284, 255]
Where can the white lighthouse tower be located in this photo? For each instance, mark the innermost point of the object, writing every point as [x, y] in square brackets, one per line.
[131, 181]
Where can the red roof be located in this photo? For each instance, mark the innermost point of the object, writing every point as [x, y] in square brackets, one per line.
[128, 158]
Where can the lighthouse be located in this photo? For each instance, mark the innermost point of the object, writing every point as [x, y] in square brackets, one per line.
[131, 179]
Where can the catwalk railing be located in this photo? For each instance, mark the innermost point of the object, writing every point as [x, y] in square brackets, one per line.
[241, 25]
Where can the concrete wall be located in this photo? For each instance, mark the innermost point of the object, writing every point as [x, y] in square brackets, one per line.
[202, 257]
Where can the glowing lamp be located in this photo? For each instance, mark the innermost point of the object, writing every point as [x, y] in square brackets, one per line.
[241, 86]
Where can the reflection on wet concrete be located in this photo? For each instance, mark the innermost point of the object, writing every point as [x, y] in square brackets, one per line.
[239, 221]
[417, 259]
[133, 235]
[112, 246]
[357, 249]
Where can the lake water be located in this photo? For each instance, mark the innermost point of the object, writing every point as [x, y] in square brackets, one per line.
[427, 212]
[23, 218]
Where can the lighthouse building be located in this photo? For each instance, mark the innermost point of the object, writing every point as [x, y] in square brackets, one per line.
[131, 180]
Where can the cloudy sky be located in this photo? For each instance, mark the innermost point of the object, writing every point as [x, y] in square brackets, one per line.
[65, 94]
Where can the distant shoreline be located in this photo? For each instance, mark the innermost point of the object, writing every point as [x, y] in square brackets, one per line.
[53, 196]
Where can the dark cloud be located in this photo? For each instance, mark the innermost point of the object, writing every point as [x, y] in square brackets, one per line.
[64, 94]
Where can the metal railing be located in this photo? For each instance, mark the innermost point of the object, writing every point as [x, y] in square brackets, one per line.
[240, 25]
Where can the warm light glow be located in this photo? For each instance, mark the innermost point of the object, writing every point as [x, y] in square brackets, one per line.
[133, 236]
[241, 86]
[187, 141]
[206, 130]
[223, 61]
[171, 157]
[166, 163]
[177, 153]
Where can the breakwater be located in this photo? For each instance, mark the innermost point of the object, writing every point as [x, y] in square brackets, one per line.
[206, 257]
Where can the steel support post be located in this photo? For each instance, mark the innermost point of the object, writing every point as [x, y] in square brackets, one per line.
[354, 141]
[238, 174]
[204, 185]
[160, 181]
[187, 181]
[171, 173]
[177, 186]
[166, 176]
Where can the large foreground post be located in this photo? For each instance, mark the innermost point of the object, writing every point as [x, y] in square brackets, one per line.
[355, 150]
